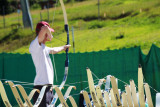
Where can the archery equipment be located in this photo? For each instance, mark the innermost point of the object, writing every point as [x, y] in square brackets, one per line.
[72, 101]
[67, 94]
[148, 95]
[128, 95]
[87, 99]
[4, 95]
[115, 91]
[124, 100]
[141, 88]
[61, 98]
[106, 96]
[15, 93]
[133, 92]
[92, 89]
[27, 99]
[113, 99]
[158, 100]
[99, 96]
[67, 56]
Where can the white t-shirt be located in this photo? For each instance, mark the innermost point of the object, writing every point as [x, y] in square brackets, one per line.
[42, 62]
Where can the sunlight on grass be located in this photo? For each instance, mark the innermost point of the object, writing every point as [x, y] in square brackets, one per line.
[123, 24]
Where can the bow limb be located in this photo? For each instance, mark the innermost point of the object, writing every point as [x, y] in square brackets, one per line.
[67, 57]
[64, 12]
[67, 31]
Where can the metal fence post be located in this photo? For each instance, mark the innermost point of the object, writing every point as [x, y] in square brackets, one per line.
[4, 24]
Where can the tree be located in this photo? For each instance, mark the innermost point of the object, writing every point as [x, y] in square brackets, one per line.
[8, 5]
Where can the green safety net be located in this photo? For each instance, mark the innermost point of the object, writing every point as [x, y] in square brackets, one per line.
[122, 64]
[151, 70]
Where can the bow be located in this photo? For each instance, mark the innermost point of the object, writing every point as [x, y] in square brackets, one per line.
[67, 57]
[67, 31]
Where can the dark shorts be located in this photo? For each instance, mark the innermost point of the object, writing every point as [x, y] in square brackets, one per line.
[47, 98]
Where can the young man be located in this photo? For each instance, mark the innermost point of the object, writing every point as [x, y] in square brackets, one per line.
[40, 56]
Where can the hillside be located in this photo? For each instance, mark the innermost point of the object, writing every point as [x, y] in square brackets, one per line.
[122, 24]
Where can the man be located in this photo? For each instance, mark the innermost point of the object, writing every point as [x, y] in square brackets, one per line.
[40, 56]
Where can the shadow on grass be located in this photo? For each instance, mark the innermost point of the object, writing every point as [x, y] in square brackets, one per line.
[10, 36]
[14, 40]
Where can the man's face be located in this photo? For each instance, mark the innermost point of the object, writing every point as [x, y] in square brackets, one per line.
[47, 38]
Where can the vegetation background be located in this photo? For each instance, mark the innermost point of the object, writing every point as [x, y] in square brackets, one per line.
[117, 24]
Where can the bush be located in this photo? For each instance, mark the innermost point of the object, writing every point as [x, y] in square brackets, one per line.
[95, 25]
[12, 5]
[35, 6]
[7, 7]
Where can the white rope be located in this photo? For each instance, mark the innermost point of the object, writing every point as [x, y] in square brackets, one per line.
[17, 81]
[122, 81]
[75, 94]
[54, 68]
[153, 89]
[24, 87]
[27, 83]
[78, 82]
[81, 82]
[55, 71]
[83, 89]
[150, 86]
[97, 77]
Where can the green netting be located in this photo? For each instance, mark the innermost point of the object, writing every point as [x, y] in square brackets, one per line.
[151, 69]
[123, 64]
[17, 67]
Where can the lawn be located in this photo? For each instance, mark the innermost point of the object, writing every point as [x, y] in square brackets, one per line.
[121, 24]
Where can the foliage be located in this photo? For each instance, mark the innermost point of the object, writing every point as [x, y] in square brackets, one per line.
[122, 24]
[6, 6]
[11, 6]
[35, 6]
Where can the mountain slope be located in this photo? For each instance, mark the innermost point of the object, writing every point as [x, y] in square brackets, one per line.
[121, 24]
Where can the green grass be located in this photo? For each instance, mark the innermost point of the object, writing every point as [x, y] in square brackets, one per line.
[122, 24]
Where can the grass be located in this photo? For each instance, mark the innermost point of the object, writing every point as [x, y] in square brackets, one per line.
[122, 24]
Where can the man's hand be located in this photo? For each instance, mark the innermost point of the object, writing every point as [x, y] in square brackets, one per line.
[67, 47]
[44, 35]
[49, 37]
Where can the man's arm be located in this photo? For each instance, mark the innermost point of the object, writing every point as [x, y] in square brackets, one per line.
[58, 49]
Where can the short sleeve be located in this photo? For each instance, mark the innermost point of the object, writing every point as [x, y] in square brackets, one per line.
[48, 49]
[34, 46]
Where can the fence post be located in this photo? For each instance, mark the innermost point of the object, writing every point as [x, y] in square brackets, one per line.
[48, 14]
[27, 19]
[48, 10]
[73, 39]
[98, 11]
[18, 11]
[40, 16]
[4, 24]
